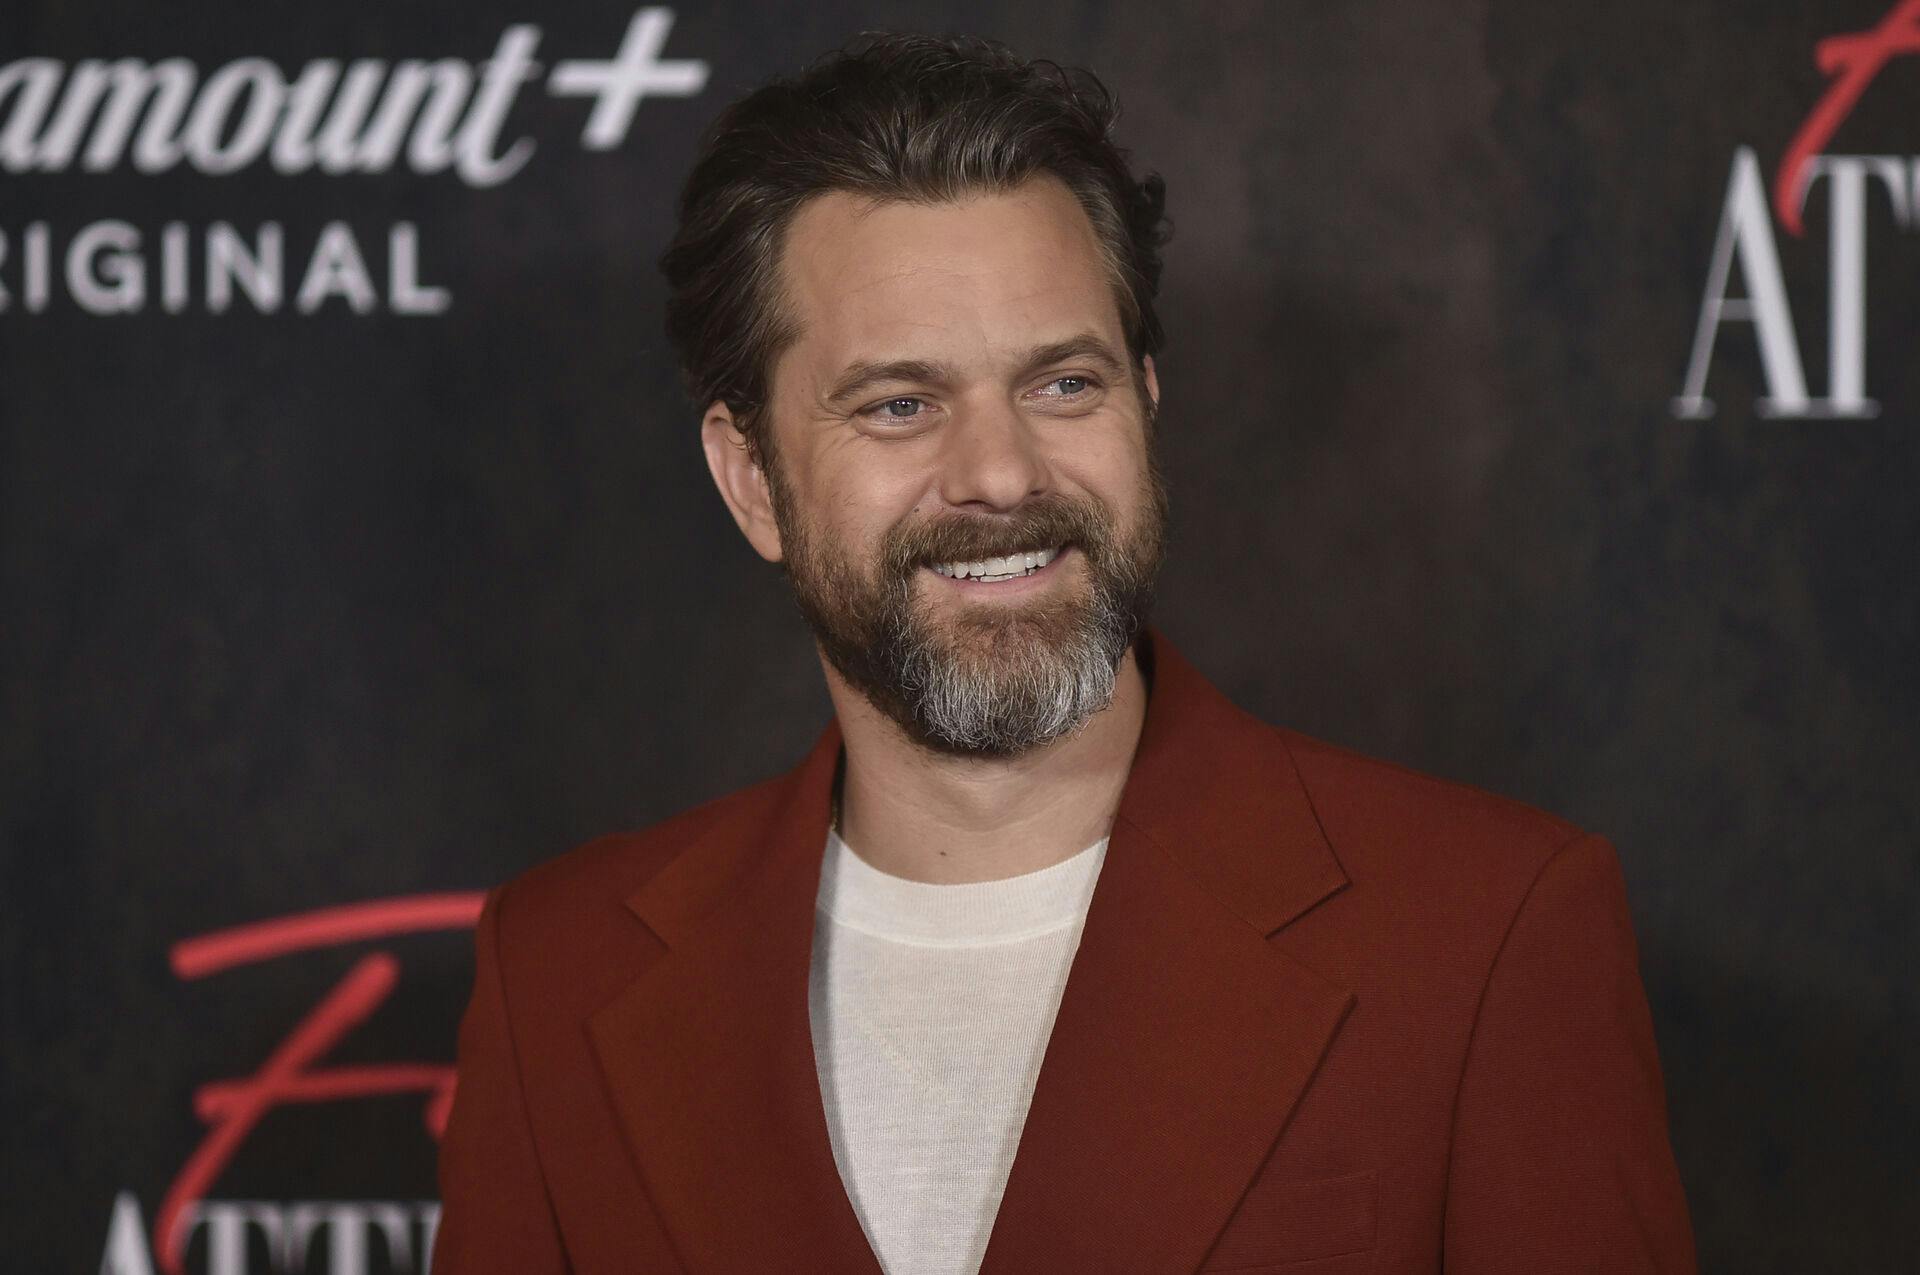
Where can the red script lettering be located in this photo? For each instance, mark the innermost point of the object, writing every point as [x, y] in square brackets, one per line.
[233, 1108]
[1852, 62]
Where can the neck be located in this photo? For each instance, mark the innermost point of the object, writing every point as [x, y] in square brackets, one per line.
[940, 818]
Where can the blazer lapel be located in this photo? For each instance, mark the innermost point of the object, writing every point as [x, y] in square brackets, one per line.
[708, 1055]
[1184, 1039]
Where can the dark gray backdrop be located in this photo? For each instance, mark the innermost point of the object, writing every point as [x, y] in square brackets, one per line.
[301, 610]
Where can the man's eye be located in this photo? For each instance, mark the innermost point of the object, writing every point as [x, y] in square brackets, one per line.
[1068, 386]
[900, 409]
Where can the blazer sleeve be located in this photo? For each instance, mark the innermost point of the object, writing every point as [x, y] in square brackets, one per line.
[1560, 1159]
[496, 1215]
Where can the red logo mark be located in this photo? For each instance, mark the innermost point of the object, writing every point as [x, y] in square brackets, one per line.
[1852, 62]
[233, 1107]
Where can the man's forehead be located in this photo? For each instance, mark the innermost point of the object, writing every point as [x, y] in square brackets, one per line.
[971, 215]
[1000, 272]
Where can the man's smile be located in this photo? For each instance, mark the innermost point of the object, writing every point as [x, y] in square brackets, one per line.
[997, 572]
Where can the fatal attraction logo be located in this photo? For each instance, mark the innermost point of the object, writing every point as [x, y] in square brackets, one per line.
[1851, 62]
[294, 1073]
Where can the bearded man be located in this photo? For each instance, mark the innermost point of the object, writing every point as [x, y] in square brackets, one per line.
[1047, 958]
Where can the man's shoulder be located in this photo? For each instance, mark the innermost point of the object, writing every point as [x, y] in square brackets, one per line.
[1438, 872]
[1398, 827]
[596, 878]
[1388, 824]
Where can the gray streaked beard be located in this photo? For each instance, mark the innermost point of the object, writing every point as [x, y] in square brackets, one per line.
[999, 680]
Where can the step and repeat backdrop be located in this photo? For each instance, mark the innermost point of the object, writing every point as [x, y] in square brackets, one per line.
[1542, 409]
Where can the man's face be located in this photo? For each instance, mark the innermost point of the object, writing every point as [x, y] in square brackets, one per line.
[961, 470]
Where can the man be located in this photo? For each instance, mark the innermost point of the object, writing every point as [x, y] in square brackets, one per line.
[1047, 958]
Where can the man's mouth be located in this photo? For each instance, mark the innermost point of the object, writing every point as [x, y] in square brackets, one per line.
[1011, 566]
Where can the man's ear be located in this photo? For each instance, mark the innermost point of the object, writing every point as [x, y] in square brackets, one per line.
[740, 481]
[1153, 381]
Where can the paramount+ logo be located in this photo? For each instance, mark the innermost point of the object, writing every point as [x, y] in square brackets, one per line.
[333, 118]
[1854, 186]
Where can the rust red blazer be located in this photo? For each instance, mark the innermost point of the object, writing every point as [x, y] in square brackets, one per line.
[1327, 1016]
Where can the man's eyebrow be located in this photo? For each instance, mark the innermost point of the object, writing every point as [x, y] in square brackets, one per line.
[865, 375]
[1086, 347]
[1082, 347]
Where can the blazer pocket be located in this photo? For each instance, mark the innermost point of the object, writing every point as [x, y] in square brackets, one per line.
[1281, 1223]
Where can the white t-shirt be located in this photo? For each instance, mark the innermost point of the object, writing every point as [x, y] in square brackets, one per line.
[931, 1008]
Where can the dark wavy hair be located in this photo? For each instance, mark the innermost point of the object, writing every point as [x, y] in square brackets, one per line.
[896, 117]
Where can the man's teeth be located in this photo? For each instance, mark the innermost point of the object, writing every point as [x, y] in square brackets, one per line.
[1010, 567]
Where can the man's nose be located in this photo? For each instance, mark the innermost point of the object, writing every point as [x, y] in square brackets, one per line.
[992, 458]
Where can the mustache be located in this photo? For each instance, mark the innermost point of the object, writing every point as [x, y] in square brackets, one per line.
[1047, 522]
